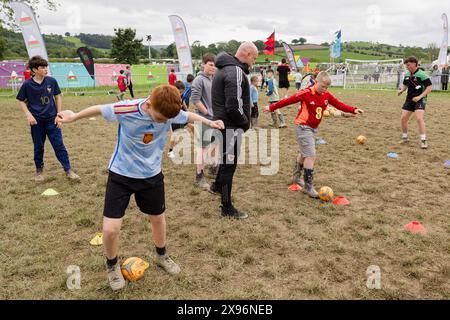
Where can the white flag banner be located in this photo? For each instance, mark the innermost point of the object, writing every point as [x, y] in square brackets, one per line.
[182, 43]
[32, 36]
[442, 59]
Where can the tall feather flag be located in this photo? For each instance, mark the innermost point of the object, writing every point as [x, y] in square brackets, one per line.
[335, 49]
[270, 45]
[182, 42]
[290, 56]
[442, 59]
[88, 60]
[32, 36]
[299, 61]
[331, 49]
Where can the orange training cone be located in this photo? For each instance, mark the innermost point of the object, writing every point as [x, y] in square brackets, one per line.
[415, 227]
[295, 187]
[341, 200]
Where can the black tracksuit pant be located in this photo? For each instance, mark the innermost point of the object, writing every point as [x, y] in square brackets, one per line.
[231, 144]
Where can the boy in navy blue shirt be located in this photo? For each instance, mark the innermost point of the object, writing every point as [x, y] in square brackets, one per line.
[40, 100]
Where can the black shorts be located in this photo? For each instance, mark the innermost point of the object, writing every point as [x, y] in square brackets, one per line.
[254, 110]
[413, 106]
[176, 126]
[149, 195]
[284, 84]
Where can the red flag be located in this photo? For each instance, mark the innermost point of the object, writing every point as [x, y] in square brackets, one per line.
[270, 44]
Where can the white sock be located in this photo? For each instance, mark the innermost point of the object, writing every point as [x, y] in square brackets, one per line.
[404, 135]
[423, 137]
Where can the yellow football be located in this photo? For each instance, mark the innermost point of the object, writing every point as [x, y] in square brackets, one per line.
[361, 139]
[133, 268]
[326, 194]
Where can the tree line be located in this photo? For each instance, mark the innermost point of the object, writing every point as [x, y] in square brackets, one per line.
[125, 47]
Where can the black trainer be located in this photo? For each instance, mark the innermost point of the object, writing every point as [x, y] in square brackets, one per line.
[214, 189]
[232, 212]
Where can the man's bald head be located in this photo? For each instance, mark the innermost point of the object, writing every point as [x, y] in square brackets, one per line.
[247, 53]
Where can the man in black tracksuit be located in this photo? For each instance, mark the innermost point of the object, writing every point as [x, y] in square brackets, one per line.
[231, 104]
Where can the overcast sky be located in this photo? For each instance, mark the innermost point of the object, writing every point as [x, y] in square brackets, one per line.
[413, 22]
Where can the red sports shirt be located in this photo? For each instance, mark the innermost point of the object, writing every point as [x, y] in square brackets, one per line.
[312, 106]
[121, 83]
[172, 78]
[27, 74]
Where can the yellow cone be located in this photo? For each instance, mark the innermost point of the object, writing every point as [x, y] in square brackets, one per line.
[50, 192]
[97, 240]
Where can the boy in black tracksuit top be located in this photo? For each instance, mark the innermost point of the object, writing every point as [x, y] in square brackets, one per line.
[231, 104]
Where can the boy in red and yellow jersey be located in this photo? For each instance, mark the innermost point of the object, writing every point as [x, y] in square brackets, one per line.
[122, 85]
[313, 102]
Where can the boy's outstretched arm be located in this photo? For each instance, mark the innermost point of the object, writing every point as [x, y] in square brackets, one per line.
[343, 107]
[218, 124]
[297, 97]
[70, 116]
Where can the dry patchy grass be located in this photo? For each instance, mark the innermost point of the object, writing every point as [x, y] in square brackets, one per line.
[291, 247]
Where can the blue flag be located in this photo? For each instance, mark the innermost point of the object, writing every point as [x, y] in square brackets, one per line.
[335, 51]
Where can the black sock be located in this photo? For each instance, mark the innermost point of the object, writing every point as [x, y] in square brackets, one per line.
[160, 251]
[308, 175]
[111, 262]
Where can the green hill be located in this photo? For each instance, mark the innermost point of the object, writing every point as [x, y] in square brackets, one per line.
[76, 41]
[97, 52]
[324, 56]
[57, 46]
[363, 50]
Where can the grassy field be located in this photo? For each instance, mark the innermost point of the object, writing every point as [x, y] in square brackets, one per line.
[291, 247]
[75, 41]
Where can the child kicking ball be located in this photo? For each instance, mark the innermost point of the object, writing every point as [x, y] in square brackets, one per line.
[314, 101]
